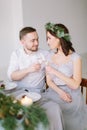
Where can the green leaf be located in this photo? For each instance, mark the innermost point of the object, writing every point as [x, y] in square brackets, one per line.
[11, 108]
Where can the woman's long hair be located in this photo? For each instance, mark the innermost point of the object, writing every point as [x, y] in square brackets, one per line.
[66, 45]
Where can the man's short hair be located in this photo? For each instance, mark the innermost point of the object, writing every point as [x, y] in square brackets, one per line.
[26, 30]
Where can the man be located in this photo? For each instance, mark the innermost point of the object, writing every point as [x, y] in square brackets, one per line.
[26, 63]
[27, 68]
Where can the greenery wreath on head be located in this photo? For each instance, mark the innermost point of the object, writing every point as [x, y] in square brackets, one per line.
[59, 31]
[11, 111]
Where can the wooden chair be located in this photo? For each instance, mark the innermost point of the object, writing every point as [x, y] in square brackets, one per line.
[84, 85]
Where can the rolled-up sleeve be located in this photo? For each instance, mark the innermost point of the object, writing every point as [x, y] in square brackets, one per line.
[13, 65]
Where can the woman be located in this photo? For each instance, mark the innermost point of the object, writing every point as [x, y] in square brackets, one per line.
[64, 72]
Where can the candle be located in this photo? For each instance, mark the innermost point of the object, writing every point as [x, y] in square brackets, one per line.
[25, 101]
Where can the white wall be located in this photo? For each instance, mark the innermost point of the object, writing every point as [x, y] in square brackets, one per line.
[72, 13]
[10, 23]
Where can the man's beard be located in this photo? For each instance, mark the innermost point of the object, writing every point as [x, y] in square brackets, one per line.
[34, 49]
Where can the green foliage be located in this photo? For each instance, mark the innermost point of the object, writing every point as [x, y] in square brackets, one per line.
[58, 31]
[11, 110]
[9, 123]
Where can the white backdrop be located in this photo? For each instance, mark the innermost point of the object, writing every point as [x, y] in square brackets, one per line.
[15, 14]
[11, 21]
[72, 13]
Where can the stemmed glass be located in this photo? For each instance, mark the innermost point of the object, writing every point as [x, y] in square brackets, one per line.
[41, 59]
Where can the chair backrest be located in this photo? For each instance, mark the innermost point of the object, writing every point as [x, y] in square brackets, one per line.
[84, 85]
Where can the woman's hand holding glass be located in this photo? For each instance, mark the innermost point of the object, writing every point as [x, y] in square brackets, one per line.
[50, 69]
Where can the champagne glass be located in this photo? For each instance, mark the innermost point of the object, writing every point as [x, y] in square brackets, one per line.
[40, 58]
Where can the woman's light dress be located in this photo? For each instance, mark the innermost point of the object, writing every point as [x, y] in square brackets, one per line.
[75, 113]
